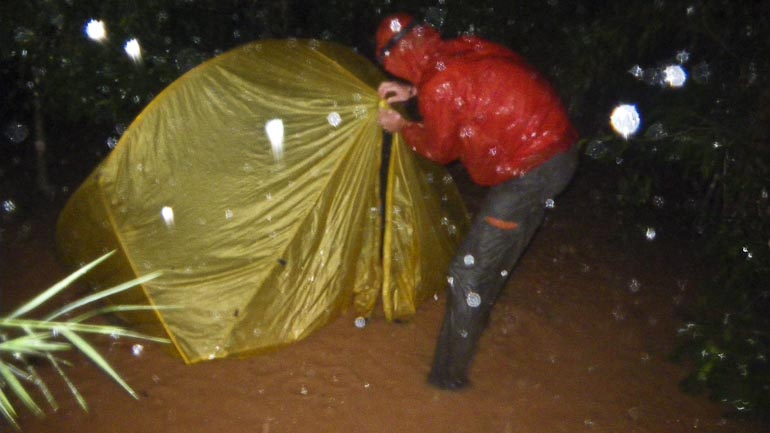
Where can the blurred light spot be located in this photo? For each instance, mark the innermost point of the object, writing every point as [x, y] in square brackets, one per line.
[96, 31]
[168, 216]
[469, 260]
[682, 56]
[550, 204]
[16, 132]
[229, 214]
[360, 322]
[634, 285]
[473, 299]
[133, 50]
[395, 25]
[451, 281]
[274, 129]
[9, 206]
[650, 234]
[112, 142]
[504, 273]
[636, 71]
[137, 349]
[674, 76]
[334, 119]
[625, 119]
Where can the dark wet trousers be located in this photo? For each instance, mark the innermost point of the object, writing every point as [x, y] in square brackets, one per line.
[509, 216]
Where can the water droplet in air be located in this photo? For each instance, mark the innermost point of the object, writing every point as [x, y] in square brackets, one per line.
[469, 260]
[334, 119]
[303, 390]
[473, 299]
[550, 204]
[451, 281]
[625, 119]
[634, 285]
[137, 349]
[504, 273]
[167, 212]
[228, 214]
[650, 234]
[463, 333]
[674, 76]
[16, 132]
[636, 71]
[360, 322]
[9, 206]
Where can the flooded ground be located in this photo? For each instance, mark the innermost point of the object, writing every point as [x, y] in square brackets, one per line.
[578, 342]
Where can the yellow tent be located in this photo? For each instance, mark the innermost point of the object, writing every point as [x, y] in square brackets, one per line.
[253, 183]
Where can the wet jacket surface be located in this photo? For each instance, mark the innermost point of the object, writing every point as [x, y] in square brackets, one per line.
[481, 103]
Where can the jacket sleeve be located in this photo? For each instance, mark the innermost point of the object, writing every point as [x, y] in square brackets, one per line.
[436, 137]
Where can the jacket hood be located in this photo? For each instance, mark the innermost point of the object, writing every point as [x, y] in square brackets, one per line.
[411, 56]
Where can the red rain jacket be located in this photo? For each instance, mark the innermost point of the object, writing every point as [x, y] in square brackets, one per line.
[481, 103]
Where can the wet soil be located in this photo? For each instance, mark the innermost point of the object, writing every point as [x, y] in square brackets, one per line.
[578, 342]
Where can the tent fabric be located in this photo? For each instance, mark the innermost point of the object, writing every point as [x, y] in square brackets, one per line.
[253, 183]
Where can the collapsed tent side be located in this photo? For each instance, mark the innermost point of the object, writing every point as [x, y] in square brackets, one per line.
[86, 231]
[425, 221]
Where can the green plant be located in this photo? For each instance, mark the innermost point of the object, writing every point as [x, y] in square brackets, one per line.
[23, 339]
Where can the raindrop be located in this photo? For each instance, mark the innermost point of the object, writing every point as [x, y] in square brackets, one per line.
[634, 285]
[16, 132]
[95, 30]
[9, 206]
[636, 71]
[618, 313]
[747, 252]
[625, 119]
[658, 201]
[451, 281]
[674, 76]
[360, 322]
[473, 299]
[550, 204]
[167, 212]
[469, 260]
[463, 333]
[447, 179]
[334, 119]
[274, 130]
[112, 142]
[682, 56]
[228, 214]
[504, 273]
[303, 390]
[597, 149]
[133, 50]
[137, 349]
[650, 234]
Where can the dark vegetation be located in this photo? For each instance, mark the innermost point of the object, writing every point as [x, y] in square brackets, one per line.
[700, 161]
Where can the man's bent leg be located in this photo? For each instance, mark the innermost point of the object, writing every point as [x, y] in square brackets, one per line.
[509, 216]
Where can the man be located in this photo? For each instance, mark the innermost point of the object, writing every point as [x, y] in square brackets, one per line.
[483, 105]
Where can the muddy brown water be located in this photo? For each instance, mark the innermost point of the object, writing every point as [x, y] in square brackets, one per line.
[578, 342]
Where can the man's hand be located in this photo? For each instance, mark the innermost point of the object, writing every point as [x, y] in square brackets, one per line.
[391, 121]
[393, 91]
